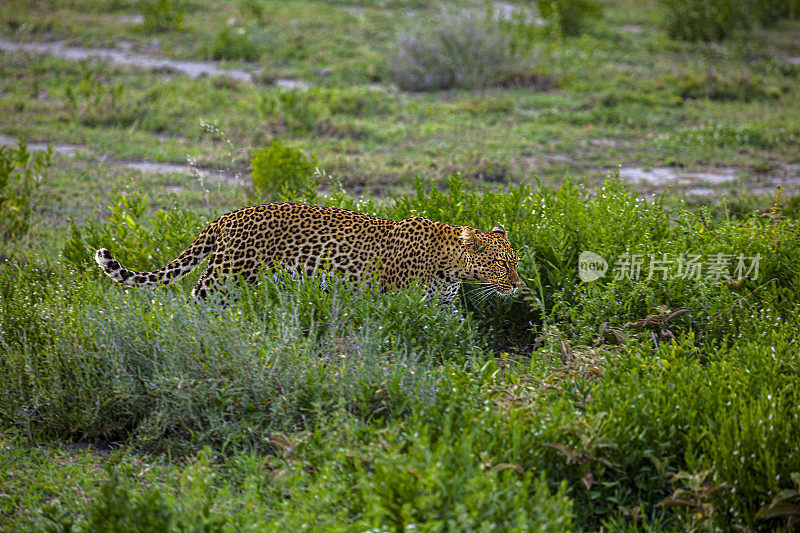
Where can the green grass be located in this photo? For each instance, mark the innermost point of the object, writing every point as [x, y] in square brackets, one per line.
[615, 95]
[352, 410]
[519, 413]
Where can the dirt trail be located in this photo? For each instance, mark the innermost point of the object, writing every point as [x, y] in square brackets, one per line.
[672, 176]
[152, 167]
[65, 149]
[711, 182]
[192, 69]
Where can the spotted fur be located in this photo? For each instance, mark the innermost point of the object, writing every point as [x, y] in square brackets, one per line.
[309, 238]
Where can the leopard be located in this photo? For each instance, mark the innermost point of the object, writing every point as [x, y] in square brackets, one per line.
[360, 248]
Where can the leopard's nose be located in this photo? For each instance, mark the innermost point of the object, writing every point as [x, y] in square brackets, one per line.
[516, 283]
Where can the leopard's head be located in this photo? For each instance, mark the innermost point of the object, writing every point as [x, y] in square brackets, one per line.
[489, 259]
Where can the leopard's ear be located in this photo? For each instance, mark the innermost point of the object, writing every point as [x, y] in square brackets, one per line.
[500, 230]
[470, 239]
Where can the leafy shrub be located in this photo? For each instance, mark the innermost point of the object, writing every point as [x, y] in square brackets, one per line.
[19, 180]
[161, 15]
[354, 101]
[703, 20]
[163, 375]
[235, 43]
[138, 242]
[120, 507]
[768, 12]
[425, 482]
[570, 17]
[709, 20]
[362, 484]
[772, 10]
[454, 50]
[663, 404]
[300, 111]
[280, 171]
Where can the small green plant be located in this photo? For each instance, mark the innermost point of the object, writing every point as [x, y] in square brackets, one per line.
[283, 172]
[95, 103]
[161, 15]
[777, 9]
[252, 8]
[136, 240]
[723, 86]
[234, 43]
[453, 51]
[299, 112]
[568, 17]
[695, 498]
[19, 180]
[121, 506]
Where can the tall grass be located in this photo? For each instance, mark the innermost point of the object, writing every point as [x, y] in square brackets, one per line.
[561, 407]
[162, 15]
[19, 180]
[233, 43]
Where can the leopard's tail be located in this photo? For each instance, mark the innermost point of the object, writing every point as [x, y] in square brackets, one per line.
[173, 271]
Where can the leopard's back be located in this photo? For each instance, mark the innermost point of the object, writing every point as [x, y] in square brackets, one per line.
[303, 238]
[356, 246]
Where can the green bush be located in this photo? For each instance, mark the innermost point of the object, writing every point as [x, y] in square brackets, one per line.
[703, 20]
[354, 101]
[138, 242]
[235, 43]
[773, 10]
[723, 86]
[161, 15]
[282, 172]
[569, 17]
[19, 180]
[301, 112]
[714, 20]
[448, 483]
[121, 507]
[453, 51]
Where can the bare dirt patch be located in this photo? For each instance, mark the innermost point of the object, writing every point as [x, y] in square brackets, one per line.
[64, 149]
[123, 56]
[673, 176]
[151, 167]
[193, 69]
